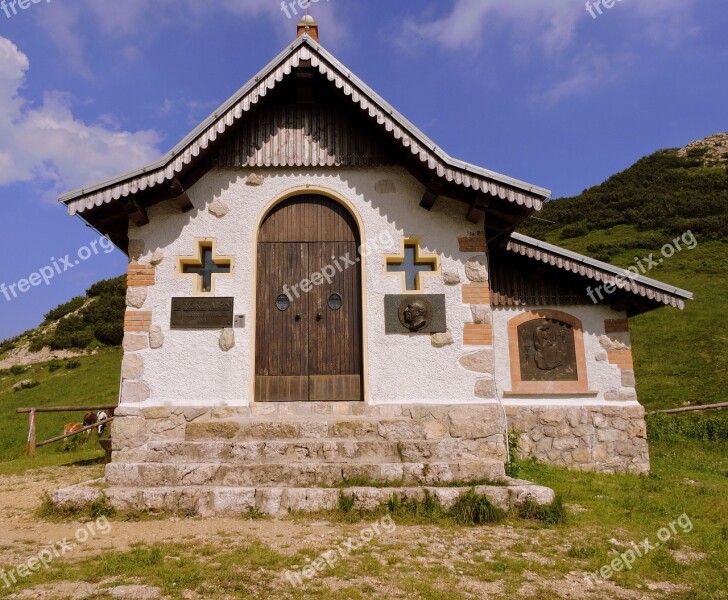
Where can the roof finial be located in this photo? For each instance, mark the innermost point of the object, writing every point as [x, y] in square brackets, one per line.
[308, 26]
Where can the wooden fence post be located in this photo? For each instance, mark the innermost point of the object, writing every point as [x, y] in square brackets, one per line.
[30, 446]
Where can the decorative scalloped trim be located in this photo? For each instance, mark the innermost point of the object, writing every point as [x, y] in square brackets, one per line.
[596, 274]
[236, 112]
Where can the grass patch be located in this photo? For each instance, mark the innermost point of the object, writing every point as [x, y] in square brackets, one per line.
[708, 427]
[471, 509]
[375, 483]
[474, 509]
[92, 510]
[552, 514]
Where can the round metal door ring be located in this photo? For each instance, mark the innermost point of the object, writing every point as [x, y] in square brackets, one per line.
[283, 302]
[335, 301]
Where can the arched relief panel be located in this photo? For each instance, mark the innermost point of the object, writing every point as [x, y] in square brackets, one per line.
[547, 356]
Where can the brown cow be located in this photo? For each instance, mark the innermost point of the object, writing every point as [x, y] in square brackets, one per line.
[90, 419]
[71, 428]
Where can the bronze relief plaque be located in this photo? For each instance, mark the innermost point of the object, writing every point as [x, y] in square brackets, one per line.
[415, 313]
[547, 351]
[202, 313]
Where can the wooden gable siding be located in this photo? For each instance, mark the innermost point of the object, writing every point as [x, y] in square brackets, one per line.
[288, 134]
[518, 282]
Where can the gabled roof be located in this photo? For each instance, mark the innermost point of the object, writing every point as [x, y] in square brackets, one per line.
[651, 289]
[306, 50]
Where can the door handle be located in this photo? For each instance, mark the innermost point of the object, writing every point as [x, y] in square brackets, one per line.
[298, 317]
[318, 316]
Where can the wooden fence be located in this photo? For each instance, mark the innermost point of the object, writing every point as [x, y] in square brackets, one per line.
[32, 444]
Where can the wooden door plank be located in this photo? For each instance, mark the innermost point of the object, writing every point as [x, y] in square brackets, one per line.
[281, 389]
[335, 388]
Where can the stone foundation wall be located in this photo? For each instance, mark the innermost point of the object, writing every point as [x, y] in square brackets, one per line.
[609, 439]
[605, 438]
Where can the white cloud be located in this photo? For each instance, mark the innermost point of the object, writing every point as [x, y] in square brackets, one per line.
[550, 23]
[141, 19]
[585, 72]
[560, 31]
[544, 24]
[48, 146]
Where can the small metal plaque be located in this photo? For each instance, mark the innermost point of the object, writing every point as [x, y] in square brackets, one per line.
[202, 313]
[415, 313]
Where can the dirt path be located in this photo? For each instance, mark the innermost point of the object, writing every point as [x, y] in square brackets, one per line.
[22, 535]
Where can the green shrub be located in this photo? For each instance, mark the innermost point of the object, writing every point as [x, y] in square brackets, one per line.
[73, 364]
[513, 465]
[9, 345]
[474, 509]
[111, 334]
[108, 287]
[604, 252]
[38, 343]
[574, 231]
[54, 365]
[64, 309]
[18, 370]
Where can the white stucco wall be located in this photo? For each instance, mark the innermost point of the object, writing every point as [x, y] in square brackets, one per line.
[190, 368]
[602, 376]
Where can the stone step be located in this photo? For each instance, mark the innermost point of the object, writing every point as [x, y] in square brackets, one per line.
[359, 428]
[279, 501]
[316, 451]
[300, 474]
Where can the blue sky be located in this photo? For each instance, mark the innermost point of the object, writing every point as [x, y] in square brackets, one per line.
[536, 89]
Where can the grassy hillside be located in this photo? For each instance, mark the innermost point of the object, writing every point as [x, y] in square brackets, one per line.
[82, 323]
[90, 380]
[667, 193]
[680, 356]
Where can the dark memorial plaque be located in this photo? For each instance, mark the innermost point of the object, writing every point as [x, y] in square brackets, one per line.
[202, 313]
[414, 313]
[547, 351]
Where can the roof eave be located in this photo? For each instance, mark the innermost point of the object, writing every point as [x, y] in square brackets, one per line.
[676, 292]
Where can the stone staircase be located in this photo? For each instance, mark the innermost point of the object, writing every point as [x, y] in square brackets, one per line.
[230, 461]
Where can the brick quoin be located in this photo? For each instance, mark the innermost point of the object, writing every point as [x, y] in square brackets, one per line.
[476, 293]
[622, 358]
[140, 275]
[137, 320]
[478, 335]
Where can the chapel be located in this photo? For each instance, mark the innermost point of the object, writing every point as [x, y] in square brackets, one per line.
[318, 293]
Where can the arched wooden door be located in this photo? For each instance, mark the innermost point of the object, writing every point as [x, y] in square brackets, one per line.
[308, 308]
